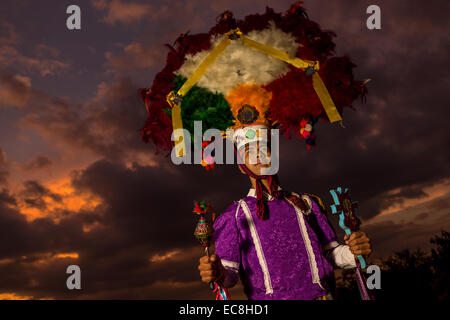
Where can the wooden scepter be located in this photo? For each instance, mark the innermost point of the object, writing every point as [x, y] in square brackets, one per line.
[203, 233]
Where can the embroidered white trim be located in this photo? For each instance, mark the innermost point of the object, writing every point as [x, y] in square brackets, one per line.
[252, 193]
[307, 241]
[230, 264]
[308, 201]
[259, 252]
[266, 196]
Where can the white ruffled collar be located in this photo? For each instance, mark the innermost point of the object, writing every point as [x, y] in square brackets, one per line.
[266, 195]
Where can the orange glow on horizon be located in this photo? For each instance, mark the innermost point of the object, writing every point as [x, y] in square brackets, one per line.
[71, 200]
[48, 257]
[72, 255]
[13, 296]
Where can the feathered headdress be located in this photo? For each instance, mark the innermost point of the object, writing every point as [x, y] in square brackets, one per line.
[267, 69]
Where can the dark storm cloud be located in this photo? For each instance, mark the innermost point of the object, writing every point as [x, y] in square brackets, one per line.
[422, 216]
[6, 198]
[4, 173]
[23, 238]
[439, 205]
[14, 229]
[8, 34]
[38, 162]
[149, 212]
[389, 236]
[405, 193]
[44, 60]
[10, 55]
[14, 89]
[145, 211]
[2, 158]
[399, 137]
[143, 199]
[108, 124]
[409, 192]
[34, 192]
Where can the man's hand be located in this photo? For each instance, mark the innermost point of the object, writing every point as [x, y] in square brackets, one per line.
[211, 268]
[359, 243]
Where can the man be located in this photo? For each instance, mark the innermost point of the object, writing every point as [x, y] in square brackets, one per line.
[274, 70]
[290, 253]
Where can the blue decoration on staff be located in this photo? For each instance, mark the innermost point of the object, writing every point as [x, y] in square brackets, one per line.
[346, 208]
[350, 222]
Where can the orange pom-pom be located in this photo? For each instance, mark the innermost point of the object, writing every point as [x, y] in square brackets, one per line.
[250, 95]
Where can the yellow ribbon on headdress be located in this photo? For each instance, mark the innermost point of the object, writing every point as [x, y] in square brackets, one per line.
[174, 100]
[177, 123]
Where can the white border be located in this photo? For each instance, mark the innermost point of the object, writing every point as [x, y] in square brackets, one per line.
[259, 252]
[307, 242]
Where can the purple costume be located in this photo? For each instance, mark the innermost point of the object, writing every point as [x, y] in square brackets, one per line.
[288, 256]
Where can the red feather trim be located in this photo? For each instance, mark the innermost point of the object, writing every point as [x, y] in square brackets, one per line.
[293, 97]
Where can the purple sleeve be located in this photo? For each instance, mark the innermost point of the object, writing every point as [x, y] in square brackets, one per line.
[226, 240]
[339, 255]
[324, 230]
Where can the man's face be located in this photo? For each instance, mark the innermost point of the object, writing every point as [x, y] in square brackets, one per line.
[256, 156]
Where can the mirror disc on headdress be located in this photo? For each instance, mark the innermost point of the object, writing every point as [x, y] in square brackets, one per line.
[247, 114]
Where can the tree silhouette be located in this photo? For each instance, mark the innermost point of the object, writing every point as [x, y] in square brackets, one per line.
[408, 275]
[441, 266]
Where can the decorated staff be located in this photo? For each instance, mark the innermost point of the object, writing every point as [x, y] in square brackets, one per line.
[203, 232]
[350, 222]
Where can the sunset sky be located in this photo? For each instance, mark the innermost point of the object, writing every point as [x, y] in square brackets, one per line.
[78, 185]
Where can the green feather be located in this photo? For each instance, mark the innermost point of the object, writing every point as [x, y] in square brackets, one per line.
[200, 104]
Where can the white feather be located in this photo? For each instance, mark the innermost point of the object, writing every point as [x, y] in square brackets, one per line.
[240, 64]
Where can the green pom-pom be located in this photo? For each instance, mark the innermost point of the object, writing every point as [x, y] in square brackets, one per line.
[200, 104]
